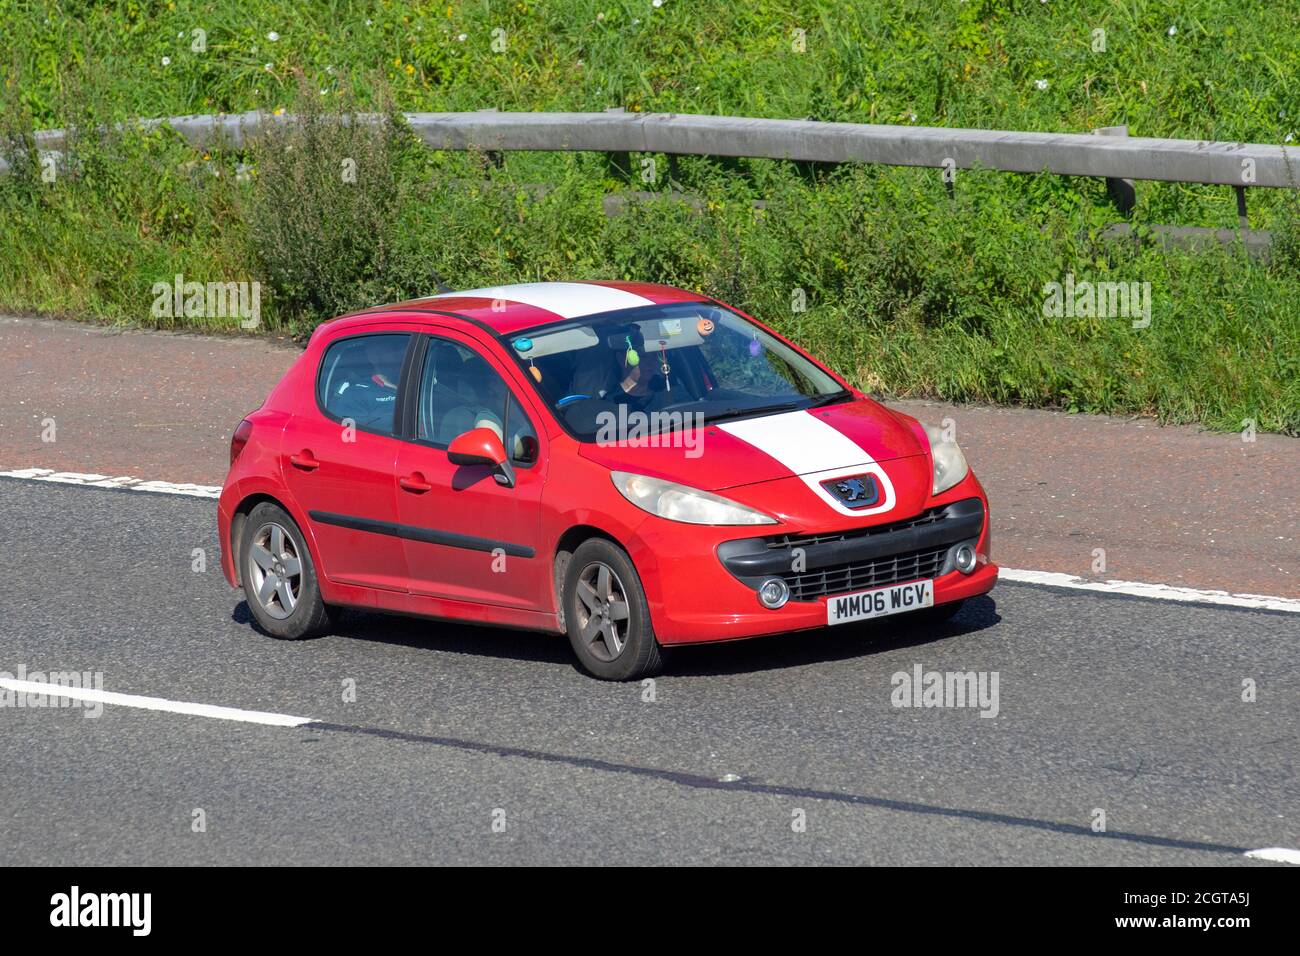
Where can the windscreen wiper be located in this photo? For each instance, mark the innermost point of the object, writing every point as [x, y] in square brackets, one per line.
[752, 410]
[830, 399]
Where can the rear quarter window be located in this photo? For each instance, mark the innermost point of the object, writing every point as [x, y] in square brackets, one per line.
[358, 380]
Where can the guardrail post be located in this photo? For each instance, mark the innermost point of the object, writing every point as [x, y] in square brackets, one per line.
[1241, 208]
[1121, 191]
[493, 156]
[620, 163]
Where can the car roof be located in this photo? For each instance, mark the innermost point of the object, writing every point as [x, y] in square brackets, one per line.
[506, 309]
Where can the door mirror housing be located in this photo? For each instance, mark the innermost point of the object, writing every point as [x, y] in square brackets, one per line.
[481, 446]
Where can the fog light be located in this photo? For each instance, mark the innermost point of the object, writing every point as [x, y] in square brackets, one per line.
[965, 559]
[773, 593]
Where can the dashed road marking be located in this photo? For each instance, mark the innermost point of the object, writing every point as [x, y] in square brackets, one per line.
[153, 703]
[1276, 854]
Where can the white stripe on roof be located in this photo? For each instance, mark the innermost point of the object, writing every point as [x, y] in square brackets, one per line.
[567, 299]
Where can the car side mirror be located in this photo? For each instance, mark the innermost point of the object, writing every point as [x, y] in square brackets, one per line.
[481, 446]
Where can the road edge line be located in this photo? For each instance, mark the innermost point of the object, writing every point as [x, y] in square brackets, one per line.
[1055, 579]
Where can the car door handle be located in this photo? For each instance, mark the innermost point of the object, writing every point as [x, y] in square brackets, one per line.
[414, 483]
[304, 460]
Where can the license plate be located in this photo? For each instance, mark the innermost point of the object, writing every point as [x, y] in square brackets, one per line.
[880, 602]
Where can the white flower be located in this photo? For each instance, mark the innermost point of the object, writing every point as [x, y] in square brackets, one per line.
[166, 61]
[1041, 84]
[370, 23]
[1173, 30]
[268, 67]
[273, 36]
[181, 35]
[329, 70]
[657, 3]
[599, 17]
[462, 37]
[1289, 137]
[912, 117]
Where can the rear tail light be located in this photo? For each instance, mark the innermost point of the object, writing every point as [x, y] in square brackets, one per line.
[240, 439]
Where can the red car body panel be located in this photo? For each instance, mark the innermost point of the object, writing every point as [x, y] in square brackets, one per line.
[293, 456]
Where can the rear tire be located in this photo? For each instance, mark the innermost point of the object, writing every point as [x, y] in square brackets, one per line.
[606, 614]
[279, 577]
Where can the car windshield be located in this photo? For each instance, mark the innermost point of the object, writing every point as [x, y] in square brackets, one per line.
[694, 362]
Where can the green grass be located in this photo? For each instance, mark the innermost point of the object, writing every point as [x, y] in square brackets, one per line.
[908, 291]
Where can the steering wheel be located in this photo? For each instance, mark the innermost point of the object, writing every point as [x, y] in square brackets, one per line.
[570, 399]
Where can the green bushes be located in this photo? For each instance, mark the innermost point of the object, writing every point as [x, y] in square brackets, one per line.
[324, 193]
[904, 288]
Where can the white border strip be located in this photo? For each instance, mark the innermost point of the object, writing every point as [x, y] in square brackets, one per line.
[1055, 579]
[1162, 592]
[210, 711]
[107, 481]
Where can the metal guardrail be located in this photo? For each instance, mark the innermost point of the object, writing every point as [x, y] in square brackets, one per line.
[615, 131]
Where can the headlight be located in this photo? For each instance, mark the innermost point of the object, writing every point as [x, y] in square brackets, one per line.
[949, 463]
[680, 503]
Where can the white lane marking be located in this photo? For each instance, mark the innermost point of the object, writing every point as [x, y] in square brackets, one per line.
[569, 300]
[1277, 854]
[816, 452]
[108, 481]
[211, 711]
[1162, 592]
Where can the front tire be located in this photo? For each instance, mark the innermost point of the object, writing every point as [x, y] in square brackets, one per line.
[279, 577]
[607, 616]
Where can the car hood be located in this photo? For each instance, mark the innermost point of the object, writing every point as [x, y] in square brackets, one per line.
[732, 454]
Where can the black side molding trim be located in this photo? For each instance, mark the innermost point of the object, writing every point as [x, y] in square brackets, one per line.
[427, 535]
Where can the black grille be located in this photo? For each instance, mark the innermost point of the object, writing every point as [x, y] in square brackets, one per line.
[859, 575]
[805, 540]
[856, 559]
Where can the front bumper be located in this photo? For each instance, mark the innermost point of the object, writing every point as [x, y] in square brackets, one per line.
[702, 583]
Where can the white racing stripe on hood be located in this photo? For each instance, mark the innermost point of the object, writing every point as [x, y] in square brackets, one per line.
[816, 452]
[571, 300]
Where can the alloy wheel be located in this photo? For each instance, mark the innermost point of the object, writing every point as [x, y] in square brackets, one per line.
[275, 570]
[602, 611]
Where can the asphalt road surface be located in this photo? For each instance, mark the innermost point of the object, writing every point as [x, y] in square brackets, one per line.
[1104, 702]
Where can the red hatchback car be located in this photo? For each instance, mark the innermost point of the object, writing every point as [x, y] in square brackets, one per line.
[634, 465]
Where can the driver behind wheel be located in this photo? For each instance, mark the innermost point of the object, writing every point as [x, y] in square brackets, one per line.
[622, 374]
